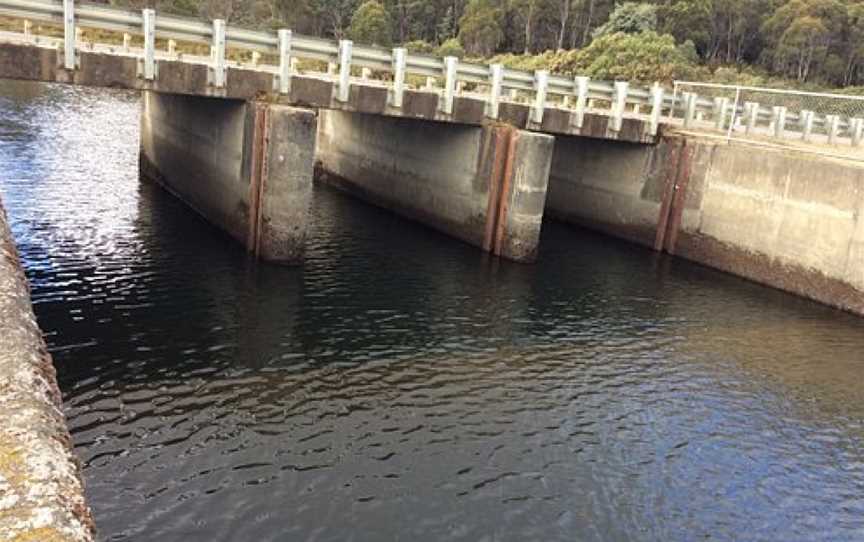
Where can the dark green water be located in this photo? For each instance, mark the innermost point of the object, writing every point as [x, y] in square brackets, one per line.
[402, 386]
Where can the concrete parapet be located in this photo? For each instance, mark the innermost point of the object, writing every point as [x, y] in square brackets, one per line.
[244, 166]
[41, 492]
[484, 185]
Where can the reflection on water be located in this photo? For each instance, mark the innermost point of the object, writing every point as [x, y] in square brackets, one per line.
[402, 386]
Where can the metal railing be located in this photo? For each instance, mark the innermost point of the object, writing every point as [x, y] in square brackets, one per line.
[708, 109]
[500, 83]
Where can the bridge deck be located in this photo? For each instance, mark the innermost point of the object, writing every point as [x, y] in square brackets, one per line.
[39, 58]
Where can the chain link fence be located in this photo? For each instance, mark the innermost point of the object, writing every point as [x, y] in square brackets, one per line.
[751, 112]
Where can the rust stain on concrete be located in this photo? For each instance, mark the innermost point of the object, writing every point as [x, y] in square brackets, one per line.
[506, 191]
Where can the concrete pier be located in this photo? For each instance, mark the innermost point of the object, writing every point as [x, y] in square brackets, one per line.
[41, 492]
[484, 185]
[244, 166]
[787, 219]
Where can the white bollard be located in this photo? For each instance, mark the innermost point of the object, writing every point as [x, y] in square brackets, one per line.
[778, 120]
[451, 67]
[218, 52]
[286, 63]
[69, 34]
[149, 21]
[541, 86]
[806, 125]
[345, 51]
[581, 89]
[400, 56]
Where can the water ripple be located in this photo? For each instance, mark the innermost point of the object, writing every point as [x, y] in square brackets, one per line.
[400, 385]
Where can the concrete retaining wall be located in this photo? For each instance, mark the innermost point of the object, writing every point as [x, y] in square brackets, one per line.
[483, 185]
[244, 166]
[41, 492]
[787, 219]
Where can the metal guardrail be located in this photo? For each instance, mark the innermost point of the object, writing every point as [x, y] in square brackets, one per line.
[579, 94]
[344, 54]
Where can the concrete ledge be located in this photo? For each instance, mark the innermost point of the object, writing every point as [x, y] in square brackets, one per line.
[41, 492]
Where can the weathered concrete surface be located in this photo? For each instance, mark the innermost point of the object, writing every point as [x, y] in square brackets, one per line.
[483, 185]
[112, 69]
[613, 187]
[787, 219]
[41, 492]
[246, 167]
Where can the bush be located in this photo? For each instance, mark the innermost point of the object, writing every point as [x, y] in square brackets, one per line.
[451, 47]
[642, 57]
[543, 61]
[421, 47]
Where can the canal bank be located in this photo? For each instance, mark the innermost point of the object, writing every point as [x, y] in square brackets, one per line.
[41, 492]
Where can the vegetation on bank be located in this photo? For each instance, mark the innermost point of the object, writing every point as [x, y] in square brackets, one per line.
[787, 43]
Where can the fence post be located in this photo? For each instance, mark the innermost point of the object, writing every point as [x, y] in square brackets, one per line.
[496, 81]
[127, 42]
[345, 50]
[751, 110]
[149, 20]
[172, 48]
[619, 104]
[734, 119]
[541, 85]
[856, 128]
[833, 123]
[451, 66]
[674, 100]
[721, 110]
[284, 78]
[69, 34]
[656, 107]
[689, 108]
[400, 61]
[806, 125]
[717, 111]
[218, 53]
[778, 119]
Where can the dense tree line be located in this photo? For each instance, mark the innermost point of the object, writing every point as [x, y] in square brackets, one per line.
[807, 41]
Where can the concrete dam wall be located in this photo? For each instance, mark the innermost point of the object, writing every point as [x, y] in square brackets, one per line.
[787, 219]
